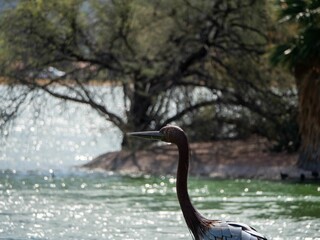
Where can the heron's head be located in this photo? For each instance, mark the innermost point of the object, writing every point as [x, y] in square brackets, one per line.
[169, 133]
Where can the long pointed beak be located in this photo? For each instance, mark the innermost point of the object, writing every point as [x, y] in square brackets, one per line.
[151, 135]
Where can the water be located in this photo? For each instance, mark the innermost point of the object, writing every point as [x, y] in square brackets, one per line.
[84, 205]
[61, 135]
[43, 196]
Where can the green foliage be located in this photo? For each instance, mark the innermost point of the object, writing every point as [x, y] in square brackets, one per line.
[304, 47]
[302, 54]
[37, 33]
[161, 53]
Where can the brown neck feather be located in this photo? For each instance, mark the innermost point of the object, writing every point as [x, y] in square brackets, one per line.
[193, 218]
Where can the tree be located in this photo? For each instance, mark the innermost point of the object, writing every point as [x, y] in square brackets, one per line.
[301, 53]
[158, 52]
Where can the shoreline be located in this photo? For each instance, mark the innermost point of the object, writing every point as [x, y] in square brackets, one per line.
[224, 159]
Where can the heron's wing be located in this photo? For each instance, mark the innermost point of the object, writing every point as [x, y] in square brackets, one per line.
[231, 231]
[247, 229]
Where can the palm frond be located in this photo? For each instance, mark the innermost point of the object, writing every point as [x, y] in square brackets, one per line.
[305, 47]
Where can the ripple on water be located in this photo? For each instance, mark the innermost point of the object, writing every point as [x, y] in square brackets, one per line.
[94, 206]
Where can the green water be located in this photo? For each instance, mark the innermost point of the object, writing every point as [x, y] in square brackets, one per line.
[75, 205]
[84, 205]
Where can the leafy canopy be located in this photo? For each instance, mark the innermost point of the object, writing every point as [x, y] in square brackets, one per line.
[304, 46]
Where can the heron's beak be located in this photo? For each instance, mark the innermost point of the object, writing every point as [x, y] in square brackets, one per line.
[151, 135]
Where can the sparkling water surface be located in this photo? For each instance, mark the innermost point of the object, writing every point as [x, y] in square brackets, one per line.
[44, 196]
[91, 205]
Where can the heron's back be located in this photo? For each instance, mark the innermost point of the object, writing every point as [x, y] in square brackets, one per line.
[220, 230]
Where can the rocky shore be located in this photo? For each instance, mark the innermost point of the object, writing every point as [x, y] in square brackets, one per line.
[250, 158]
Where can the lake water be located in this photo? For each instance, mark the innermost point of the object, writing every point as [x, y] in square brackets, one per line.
[43, 196]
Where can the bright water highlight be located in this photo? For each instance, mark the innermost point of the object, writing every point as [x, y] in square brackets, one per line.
[42, 195]
[84, 205]
[62, 135]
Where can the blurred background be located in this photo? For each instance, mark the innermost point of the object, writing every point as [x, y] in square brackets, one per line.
[76, 75]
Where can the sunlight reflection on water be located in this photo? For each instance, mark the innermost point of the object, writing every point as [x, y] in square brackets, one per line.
[63, 135]
[42, 197]
[82, 205]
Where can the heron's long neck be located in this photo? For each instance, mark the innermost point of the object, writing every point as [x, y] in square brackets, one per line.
[191, 215]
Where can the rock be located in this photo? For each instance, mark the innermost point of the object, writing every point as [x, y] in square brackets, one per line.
[219, 159]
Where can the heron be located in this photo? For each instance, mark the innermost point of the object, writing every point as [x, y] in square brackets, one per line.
[200, 227]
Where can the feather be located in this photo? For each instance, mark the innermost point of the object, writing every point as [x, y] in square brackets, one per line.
[200, 227]
[220, 230]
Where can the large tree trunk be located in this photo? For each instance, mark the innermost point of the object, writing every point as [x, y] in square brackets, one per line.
[139, 111]
[138, 117]
[309, 116]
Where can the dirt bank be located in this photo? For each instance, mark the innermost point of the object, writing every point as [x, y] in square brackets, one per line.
[220, 159]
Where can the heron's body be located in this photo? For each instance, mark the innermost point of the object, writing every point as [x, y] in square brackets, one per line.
[201, 227]
[220, 230]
